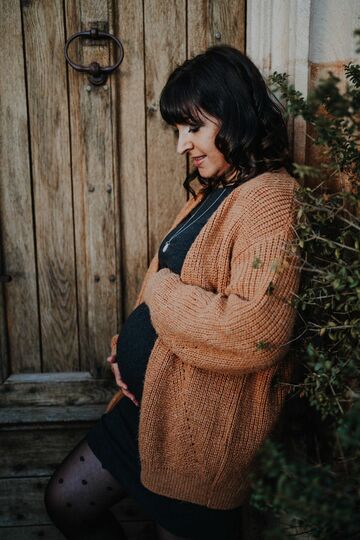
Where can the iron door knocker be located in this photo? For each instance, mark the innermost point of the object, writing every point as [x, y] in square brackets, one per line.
[97, 74]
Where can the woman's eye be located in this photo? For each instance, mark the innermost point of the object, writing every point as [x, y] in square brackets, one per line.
[191, 129]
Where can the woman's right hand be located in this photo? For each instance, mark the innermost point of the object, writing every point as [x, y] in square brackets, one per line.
[116, 371]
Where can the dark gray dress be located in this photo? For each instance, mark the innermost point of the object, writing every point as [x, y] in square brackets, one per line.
[114, 439]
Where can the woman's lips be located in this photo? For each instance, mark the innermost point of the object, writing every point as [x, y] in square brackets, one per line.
[198, 160]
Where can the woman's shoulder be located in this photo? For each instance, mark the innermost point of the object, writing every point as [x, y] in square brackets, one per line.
[265, 203]
[279, 181]
[267, 187]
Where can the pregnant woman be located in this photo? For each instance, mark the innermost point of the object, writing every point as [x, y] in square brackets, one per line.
[199, 359]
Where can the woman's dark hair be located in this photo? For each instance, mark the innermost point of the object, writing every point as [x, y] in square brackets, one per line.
[225, 83]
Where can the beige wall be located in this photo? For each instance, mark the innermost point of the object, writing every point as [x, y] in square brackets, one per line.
[304, 38]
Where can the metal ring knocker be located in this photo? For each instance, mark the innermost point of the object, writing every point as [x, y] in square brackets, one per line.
[97, 74]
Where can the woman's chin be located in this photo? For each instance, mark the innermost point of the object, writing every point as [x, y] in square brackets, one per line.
[204, 173]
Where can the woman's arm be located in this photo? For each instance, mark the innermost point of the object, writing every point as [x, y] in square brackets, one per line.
[244, 330]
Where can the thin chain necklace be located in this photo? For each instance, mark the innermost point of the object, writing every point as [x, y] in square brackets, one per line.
[186, 225]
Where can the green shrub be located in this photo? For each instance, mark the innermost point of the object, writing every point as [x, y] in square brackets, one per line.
[309, 476]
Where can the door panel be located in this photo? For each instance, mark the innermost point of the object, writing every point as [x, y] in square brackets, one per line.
[43, 26]
[92, 170]
[89, 183]
[21, 331]
[93, 126]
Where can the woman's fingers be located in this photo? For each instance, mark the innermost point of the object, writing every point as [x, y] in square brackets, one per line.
[116, 371]
[132, 397]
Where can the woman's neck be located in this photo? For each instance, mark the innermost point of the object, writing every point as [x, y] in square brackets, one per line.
[231, 177]
[229, 180]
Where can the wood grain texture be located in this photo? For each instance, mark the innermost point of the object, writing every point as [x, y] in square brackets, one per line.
[214, 22]
[47, 390]
[107, 183]
[28, 415]
[165, 48]
[31, 532]
[4, 356]
[96, 229]
[29, 452]
[92, 150]
[49, 128]
[20, 310]
[132, 248]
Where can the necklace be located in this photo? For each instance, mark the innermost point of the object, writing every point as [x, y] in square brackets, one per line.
[186, 225]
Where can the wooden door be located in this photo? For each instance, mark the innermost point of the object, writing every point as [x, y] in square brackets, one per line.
[89, 183]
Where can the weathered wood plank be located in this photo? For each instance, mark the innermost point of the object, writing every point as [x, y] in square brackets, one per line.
[30, 415]
[62, 389]
[165, 47]
[16, 220]
[32, 531]
[31, 452]
[131, 190]
[4, 357]
[92, 147]
[49, 128]
[32, 509]
[215, 23]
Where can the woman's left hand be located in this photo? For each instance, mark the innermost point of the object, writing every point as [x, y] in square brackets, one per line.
[116, 371]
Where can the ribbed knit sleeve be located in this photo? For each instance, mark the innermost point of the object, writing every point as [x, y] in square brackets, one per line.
[245, 329]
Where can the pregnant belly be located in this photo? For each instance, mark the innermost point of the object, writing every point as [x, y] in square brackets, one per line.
[134, 346]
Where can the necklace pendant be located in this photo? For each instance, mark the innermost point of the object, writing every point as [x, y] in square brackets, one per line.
[165, 247]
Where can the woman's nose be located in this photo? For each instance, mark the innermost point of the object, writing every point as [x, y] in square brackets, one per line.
[184, 143]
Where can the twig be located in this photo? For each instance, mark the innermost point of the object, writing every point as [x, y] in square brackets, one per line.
[317, 237]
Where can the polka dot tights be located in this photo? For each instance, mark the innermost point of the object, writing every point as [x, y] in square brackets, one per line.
[79, 496]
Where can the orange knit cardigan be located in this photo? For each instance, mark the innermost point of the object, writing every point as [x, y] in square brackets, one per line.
[224, 329]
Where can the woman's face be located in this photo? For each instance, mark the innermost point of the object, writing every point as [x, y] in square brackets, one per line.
[199, 142]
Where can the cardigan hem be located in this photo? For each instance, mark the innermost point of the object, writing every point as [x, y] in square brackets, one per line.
[170, 483]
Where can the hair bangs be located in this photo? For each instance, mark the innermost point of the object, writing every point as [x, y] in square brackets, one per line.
[179, 105]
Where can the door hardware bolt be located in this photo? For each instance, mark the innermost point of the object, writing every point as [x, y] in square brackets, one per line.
[88, 88]
[217, 35]
[91, 188]
[112, 278]
[109, 188]
[97, 277]
[105, 87]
